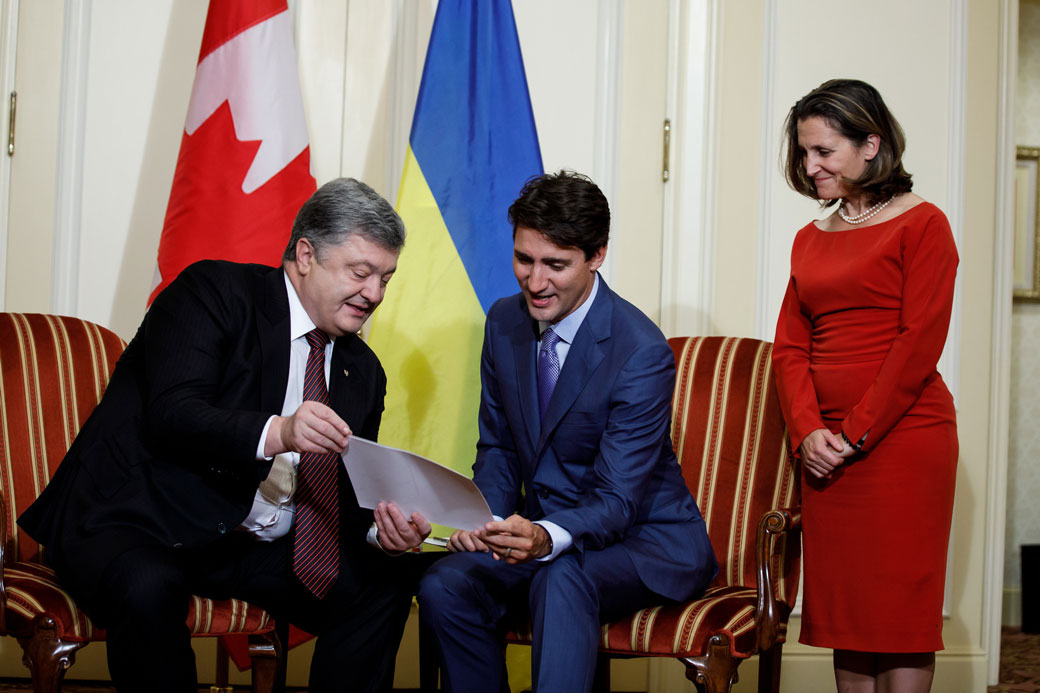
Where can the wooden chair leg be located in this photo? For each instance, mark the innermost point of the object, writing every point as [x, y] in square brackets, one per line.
[222, 669]
[266, 654]
[46, 655]
[281, 631]
[769, 669]
[716, 670]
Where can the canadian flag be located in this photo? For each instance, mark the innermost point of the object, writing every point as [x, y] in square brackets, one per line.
[244, 166]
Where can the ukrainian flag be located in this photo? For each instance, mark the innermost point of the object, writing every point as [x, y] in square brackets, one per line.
[473, 145]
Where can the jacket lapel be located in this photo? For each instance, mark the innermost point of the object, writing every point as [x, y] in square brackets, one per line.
[340, 374]
[523, 336]
[273, 321]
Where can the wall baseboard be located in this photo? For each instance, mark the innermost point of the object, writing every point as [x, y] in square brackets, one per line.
[1012, 607]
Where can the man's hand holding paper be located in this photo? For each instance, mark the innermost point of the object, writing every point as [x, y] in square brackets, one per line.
[397, 533]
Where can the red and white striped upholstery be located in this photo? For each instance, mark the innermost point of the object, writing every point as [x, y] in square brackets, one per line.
[53, 371]
[731, 441]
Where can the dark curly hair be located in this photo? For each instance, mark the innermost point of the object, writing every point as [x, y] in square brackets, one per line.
[567, 208]
[856, 110]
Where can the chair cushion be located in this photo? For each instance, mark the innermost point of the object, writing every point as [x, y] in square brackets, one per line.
[32, 589]
[683, 630]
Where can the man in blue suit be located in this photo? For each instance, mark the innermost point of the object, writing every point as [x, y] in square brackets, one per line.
[574, 453]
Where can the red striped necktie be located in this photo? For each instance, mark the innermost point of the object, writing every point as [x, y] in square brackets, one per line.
[316, 541]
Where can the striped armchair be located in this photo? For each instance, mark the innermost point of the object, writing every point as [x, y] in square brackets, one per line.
[731, 441]
[53, 371]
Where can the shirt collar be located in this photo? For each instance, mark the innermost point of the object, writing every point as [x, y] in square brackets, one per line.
[567, 328]
[299, 322]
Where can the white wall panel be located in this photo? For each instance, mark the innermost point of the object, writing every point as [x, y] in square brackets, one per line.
[142, 65]
[559, 43]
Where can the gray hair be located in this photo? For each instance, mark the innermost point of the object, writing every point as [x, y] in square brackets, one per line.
[338, 210]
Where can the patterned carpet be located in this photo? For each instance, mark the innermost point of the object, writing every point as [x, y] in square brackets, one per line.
[1019, 663]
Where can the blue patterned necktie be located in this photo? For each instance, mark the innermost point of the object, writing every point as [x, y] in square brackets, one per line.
[316, 540]
[548, 369]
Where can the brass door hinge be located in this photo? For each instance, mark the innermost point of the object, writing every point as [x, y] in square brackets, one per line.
[666, 159]
[10, 123]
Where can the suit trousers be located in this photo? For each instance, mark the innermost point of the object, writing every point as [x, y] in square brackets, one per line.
[143, 602]
[468, 601]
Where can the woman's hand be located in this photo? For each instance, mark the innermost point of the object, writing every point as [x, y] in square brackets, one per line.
[822, 452]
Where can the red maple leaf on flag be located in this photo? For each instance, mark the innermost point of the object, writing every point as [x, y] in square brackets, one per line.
[244, 165]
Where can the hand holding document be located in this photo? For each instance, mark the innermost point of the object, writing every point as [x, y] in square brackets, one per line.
[415, 484]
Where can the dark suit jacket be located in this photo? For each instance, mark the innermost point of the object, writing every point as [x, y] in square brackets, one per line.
[168, 457]
[601, 464]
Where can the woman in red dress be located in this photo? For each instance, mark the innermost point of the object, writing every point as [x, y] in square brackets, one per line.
[861, 329]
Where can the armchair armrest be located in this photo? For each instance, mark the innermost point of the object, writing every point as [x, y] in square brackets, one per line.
[775, 522]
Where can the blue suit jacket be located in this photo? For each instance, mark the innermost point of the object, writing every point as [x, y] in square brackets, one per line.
[601, 464]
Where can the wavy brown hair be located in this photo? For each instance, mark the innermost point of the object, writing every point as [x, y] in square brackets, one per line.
[856, 110]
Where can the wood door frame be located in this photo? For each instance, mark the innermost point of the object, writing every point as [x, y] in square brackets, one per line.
[72, 117]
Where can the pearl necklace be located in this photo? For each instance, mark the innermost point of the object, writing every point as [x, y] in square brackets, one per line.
[862, 217]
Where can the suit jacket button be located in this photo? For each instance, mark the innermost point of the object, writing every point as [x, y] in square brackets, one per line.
[543, 493]
[178, 545]
[221, 528]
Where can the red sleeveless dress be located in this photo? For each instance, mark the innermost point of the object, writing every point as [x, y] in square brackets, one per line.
[861, 329]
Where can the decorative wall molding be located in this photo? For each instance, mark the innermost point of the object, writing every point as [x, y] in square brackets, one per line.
[606, 135]
[71, 138]
[1012, 608]
[688, 243]
[1000, 365]
[949, 364]
[8, 59]
[767, 168]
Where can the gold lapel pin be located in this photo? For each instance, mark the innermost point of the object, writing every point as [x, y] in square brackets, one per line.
[346, 373]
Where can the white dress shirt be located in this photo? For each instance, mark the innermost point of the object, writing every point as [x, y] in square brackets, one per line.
[273, 508]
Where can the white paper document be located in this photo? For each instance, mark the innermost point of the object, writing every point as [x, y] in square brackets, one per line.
[415, 484]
